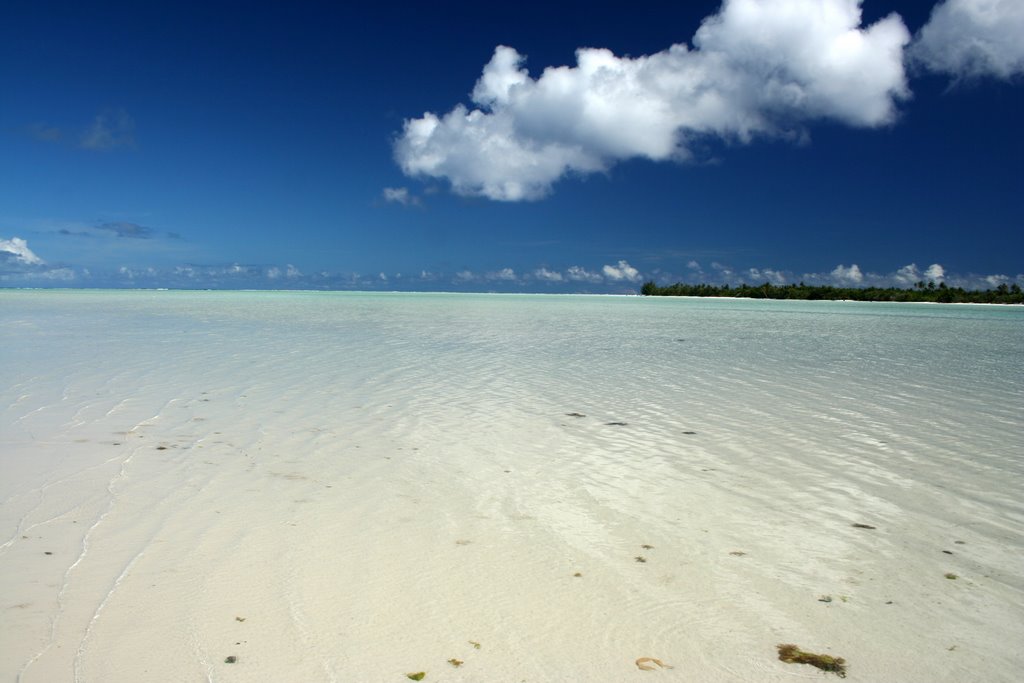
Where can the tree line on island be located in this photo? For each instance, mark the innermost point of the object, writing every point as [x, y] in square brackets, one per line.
[921, 291]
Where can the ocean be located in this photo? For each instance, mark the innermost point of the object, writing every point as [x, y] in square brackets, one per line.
[358, 486]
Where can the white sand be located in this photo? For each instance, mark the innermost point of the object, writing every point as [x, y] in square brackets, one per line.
[356, 496]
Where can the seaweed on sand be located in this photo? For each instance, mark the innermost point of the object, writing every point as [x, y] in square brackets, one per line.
[791, 654]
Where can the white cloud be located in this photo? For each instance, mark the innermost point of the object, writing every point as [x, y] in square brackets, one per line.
[759, 275]
[725, 271]
[40, 276]
[548, 275]
[19, 264]
[290, 272]
[623, 271]
[910, 275]
[506, 274]
[61, 274]
[935, 273]
[16, 249]
[579, 274]
[907, 275]
[400, 195]
[465, 276]
[132, 273]
[759, 67]
[971, 38]
[842, 275]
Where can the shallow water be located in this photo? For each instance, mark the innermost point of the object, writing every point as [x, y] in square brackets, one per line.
[371, 481]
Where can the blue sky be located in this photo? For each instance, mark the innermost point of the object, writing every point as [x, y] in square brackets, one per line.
[424, 146]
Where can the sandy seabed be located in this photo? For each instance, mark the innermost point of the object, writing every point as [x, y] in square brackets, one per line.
[258, 490]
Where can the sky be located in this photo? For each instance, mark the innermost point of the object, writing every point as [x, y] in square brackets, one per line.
[533, 147]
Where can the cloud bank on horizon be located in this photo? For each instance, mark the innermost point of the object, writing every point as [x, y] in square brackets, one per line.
[757, 68]
[21, 267]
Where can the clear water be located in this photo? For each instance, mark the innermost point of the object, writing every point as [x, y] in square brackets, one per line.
[785, 414]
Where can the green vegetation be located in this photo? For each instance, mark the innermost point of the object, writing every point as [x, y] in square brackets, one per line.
[940, 293]
[791, 654]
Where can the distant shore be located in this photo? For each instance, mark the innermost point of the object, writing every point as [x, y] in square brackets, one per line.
[919, 293]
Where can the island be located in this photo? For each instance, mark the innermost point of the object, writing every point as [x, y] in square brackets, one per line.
[920, 292]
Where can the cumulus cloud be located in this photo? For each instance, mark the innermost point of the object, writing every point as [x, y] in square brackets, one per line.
[19, 265]
[905, 277]
[758, 67]
[109, 129]
[775, 277]
[973, 38]
[935, 272]
[289, 271]
[16, 251]
[620, 272]
[844, 276]
[136, 273]
[505, 274]
[723, 270]
[994, 281]
[910, 275]
[546, 275]
[580, 274]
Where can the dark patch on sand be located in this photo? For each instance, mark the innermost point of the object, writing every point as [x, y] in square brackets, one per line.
[791, 654]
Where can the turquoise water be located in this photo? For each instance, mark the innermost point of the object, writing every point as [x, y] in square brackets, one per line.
[565, 430]
[915, 383]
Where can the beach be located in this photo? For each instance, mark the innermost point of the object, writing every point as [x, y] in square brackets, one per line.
[244, 486]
